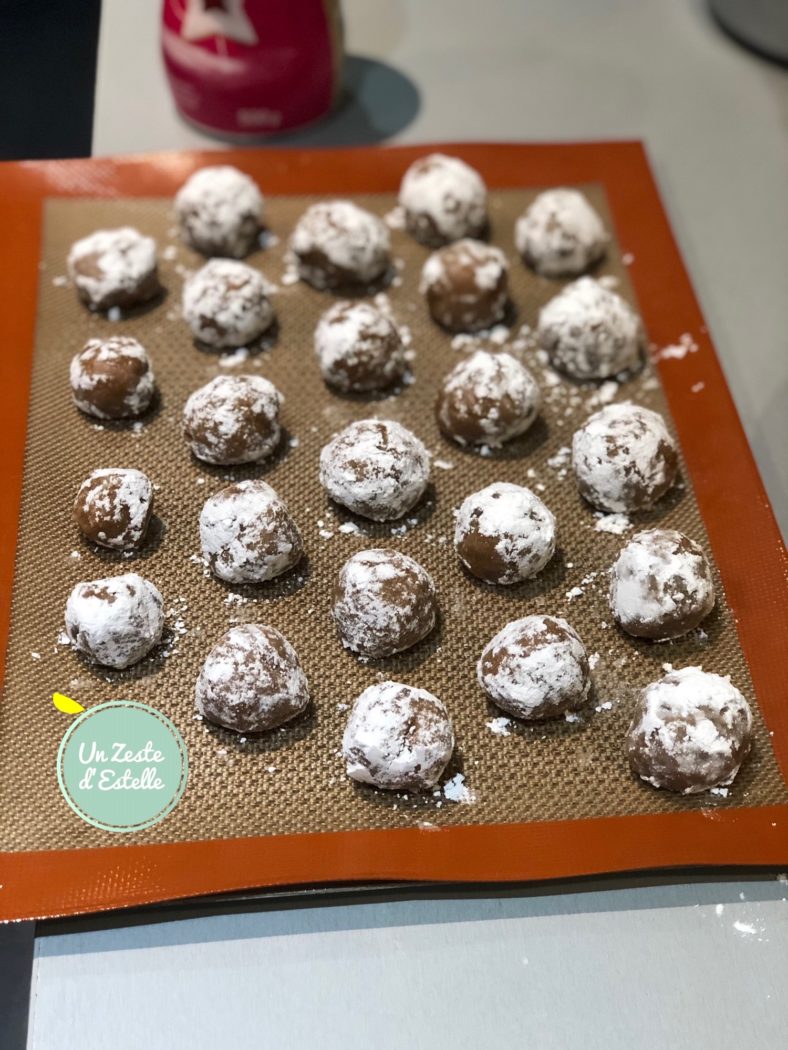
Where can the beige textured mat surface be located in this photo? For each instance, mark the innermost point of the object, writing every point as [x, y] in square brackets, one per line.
[293, 780]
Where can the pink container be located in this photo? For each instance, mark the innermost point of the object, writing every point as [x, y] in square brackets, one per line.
[249, 68]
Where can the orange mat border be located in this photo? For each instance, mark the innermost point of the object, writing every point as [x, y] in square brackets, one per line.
[729, 491]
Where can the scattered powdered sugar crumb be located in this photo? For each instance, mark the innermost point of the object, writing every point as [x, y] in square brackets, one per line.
[395, 219]
[169, 253]
[723, 792]
[609, 281]
[571, 716]
[35, 656]
[326, 534]
[627, 258]
[593, 660]
[75, 555]
[618, 524]
[443, 464]
[267, 239]
[575, 592]
[456, 790]
[685, 345]
[237, 357]
[349, 528]
[605, 394]
[61, 281]
[114, 314]
[697, 387]
[500, 726]
[606, 705]
[342, 707]
[560, 459]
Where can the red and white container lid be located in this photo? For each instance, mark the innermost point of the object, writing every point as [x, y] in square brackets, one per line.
[249, 68]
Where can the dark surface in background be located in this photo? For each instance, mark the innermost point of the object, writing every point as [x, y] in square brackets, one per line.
[47, 76]
[16, 962]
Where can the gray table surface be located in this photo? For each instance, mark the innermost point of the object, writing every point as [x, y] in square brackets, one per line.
[688, 965]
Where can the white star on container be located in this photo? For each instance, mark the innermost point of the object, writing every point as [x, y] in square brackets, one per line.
[227, 18]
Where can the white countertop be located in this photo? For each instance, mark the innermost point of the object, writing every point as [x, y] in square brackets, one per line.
[684, 966]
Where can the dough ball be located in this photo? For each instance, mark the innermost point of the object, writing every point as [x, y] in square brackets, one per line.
[444, 199]
[117, 621]
[560, 234]
[359, 348]
[624, 459]
[233, 419]
[590, 332]
[247, 534]
[661, 585]
[251, 681]
[226, 304]
[376, 468]
[397, 737]
[487, 399]
[691, 731]
[219, 210]
[536, 668]
[504, 533]
[114, 268]
[113, 508]
[384, 603]
[112, 378]
[337, 244]
[466, 285]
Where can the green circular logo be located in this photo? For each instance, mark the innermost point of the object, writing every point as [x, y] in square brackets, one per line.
[122, 766]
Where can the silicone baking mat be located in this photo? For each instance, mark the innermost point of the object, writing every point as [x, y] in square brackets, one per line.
[289, 787]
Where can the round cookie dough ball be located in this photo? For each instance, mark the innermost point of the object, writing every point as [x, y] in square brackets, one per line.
[337, 244]
[247, 534]
[117, 621]
[113, 507]
[560, 234]
[397, 737]
[444, 199]
[359, 348]
[233, 419]
[661, 585]
[590, 332]
[466, 285]
[114, 268]
[487, 399]
[384, 603]
[536, 667]
[623, 457]
[691, 732]
[226, 304]
[251, 681]
[376, 468]
[504, 533]
[112, 378]
[219, 210]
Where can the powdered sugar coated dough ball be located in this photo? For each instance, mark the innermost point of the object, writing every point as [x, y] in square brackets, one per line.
[624, 458]
[113, 507]
[691, 732]
[117, 621]
[397, 737]
[338, 244]
[384, 603]
[233, 419]
[444, 199]
[359, 348]
[661, 585]
[226, 304]
[114, 268]
[247, 533]
[466, 285]
[252, 681]
[589, 331]
[504, 533]
[536, 667]
[219, 210]
[560, 234]
[487, 399]
[112, 378]
[376, 468]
